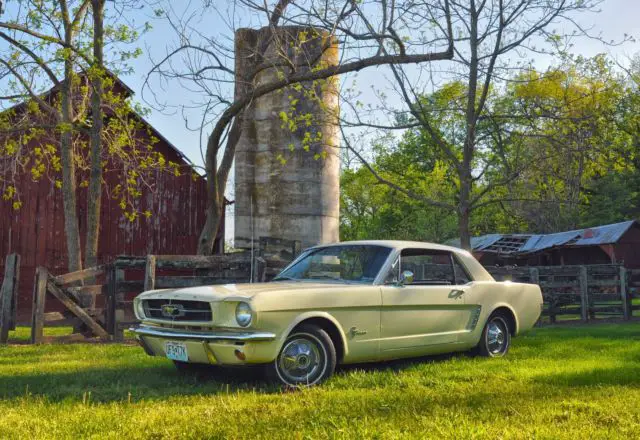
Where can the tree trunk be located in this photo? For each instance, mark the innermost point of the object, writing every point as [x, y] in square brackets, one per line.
[217, 184]
[466, 181]
[215, 211]
[464, 210]
[94, 195]
[71, 230]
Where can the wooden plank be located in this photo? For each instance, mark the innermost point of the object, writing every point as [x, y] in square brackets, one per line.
[79, 275]
[54, 317]
[626, 314]
[124, 262]
[560, 284]
[170, 282]
[8, 291]
[201, 261]
[607, 309]
[39, 297]
[562, 312]
[604, 283]
[65, 299]
[584, 294]
[93, 289]
[150, 273]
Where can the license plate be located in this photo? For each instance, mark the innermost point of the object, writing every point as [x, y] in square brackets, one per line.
[176, 351]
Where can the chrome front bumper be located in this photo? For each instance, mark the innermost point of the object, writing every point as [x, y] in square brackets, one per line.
[219, 335]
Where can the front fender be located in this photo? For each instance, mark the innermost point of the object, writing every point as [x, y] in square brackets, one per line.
[309, 315]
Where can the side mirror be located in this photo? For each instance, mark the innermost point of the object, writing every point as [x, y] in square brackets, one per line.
[406, 277]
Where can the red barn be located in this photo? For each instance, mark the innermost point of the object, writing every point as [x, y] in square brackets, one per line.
[177, 204]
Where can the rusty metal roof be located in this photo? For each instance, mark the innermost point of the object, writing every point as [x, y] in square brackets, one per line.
[529, 243]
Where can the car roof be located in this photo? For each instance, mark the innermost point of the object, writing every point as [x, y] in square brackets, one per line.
[399, 244]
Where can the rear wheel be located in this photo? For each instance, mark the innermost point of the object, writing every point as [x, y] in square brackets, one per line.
[496, 337]
[308, 357]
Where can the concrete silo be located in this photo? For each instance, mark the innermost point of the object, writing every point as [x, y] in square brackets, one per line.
[287, 166]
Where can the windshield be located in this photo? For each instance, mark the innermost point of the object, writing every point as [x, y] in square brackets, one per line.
[352, 263]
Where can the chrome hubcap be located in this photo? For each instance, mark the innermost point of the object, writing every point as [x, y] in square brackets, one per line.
[300, 361]
[496, 337]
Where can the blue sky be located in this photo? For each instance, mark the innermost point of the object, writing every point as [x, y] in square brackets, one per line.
[616, 18]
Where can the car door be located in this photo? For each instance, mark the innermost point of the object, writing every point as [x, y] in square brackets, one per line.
[428, 312]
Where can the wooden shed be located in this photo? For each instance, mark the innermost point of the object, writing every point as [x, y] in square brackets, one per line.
[605, 244]
[177, 204]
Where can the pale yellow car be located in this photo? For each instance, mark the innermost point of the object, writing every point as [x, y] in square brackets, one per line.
[343, 303]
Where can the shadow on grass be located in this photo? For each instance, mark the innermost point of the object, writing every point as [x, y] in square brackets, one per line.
[624, 375]
[153, 382]
[123, 383]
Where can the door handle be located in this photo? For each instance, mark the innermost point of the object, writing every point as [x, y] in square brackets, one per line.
[456, 293]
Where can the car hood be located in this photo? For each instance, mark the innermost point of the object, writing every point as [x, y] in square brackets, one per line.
[235, 292]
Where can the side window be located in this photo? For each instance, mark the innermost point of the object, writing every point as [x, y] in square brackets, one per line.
[462, 276]
[429, 267]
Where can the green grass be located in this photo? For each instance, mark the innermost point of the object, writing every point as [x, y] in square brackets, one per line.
[557, 382]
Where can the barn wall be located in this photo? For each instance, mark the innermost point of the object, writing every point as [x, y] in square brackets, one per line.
[627, 249]
[36, 230]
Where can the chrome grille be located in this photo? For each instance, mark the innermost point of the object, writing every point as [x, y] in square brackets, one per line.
[176, 310]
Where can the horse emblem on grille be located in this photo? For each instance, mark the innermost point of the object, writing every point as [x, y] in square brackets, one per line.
[172, 310]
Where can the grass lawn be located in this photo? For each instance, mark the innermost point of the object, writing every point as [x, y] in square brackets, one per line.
[557, 382]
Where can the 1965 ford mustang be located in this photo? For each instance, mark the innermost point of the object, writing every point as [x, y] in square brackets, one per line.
[343, 303]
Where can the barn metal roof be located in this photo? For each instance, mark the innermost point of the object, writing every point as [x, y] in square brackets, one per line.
[529, 243]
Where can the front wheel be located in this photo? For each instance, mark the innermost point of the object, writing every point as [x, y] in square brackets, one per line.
[307, 357]
[496, 337]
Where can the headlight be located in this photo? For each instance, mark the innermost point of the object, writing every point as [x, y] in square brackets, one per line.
[243, 314]
[139, 309]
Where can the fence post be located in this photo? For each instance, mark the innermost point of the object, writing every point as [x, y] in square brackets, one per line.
[150, 273]
[118, 334]
[111, 300]
[259, 268]
[39, 297]
[623, 294]
[8, 296]
[534, 275]
[584, 293]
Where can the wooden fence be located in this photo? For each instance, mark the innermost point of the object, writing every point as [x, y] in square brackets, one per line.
[99, 299]
[580, 292]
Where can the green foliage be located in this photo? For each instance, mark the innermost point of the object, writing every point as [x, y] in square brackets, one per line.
[555, 150]
[370, 210]
[556, 383]
[33, 143]
[581, 159]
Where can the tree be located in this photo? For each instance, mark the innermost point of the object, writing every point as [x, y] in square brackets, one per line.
[94, 198]
[205, 63]
[569, 134]
[53, 43]
[578, 156]
[26, 58]
[487, 33]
